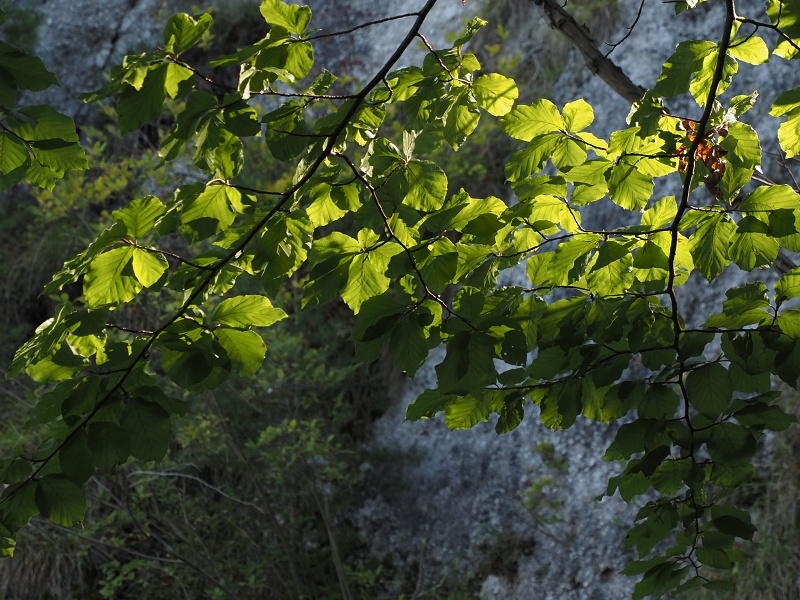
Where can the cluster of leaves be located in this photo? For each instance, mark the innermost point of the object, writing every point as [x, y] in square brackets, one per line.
[251, 496]
[371, 220]
[37, 143]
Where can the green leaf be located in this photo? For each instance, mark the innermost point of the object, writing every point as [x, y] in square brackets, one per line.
[789, 286]
[611, 272]
[330, 203]
[137, 107]
[710, 557]
[660, 402]
[27, 71]
[495, 93]
[211, 210]
[14, 160]
[428, 404]
[680, 68]
[60, 500]
[282, 248]
[524, 163]
[751, 246]
[245, 349]
[63, 364]
[732, 521]
[182, 31]
[628, 186]
[700, 88]
[763, 415]
[571, 257]
[769, 198]
[408, 345]
[671, 476]
[568, 153]
[18, 505]
[751, 49]
[709, 244]
[731, 444]
[635, 437]
[473, 26]
[511, 416]
[52, 139]
[659, 519]
[709, 389]
[600, 404]
[461, 120]
[788, 104]
[744, 149]
[247, 311]
[286, 131]
[789, 323]
[109, 444]
[148, 267]
[148, 427]
[788, 135]
[366, 278]
[786, 15]
[661, 214]
[141, 215]
[291, 17]
[110, 280]
[527, 122]
[76, 458]
[578, 115]
[425, 185]
[466, 412]
[178, 80]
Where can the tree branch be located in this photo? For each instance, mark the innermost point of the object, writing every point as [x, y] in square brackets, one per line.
[598, 63]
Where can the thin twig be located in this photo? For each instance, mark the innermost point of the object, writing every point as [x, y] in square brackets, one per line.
[362, 26]
[599, 64]
[202, 482]
[615, 45]
[165, 253]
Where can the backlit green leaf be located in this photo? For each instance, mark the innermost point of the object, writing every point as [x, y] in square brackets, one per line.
[148, 267]
[578, 115]
[495, 93]
[183, 31]
[751, 49]
[526, 122]
[110, 280]
[291, 17]
[141, 215]
[710, 243]
[245, 349]
[247, 311]
[628, 186]
[768, 198]
[786, 15]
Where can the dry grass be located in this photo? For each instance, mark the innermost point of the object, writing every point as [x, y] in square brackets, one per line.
[45, 566]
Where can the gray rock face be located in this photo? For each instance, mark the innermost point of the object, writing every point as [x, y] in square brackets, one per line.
[80, 39]
[528, 496]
